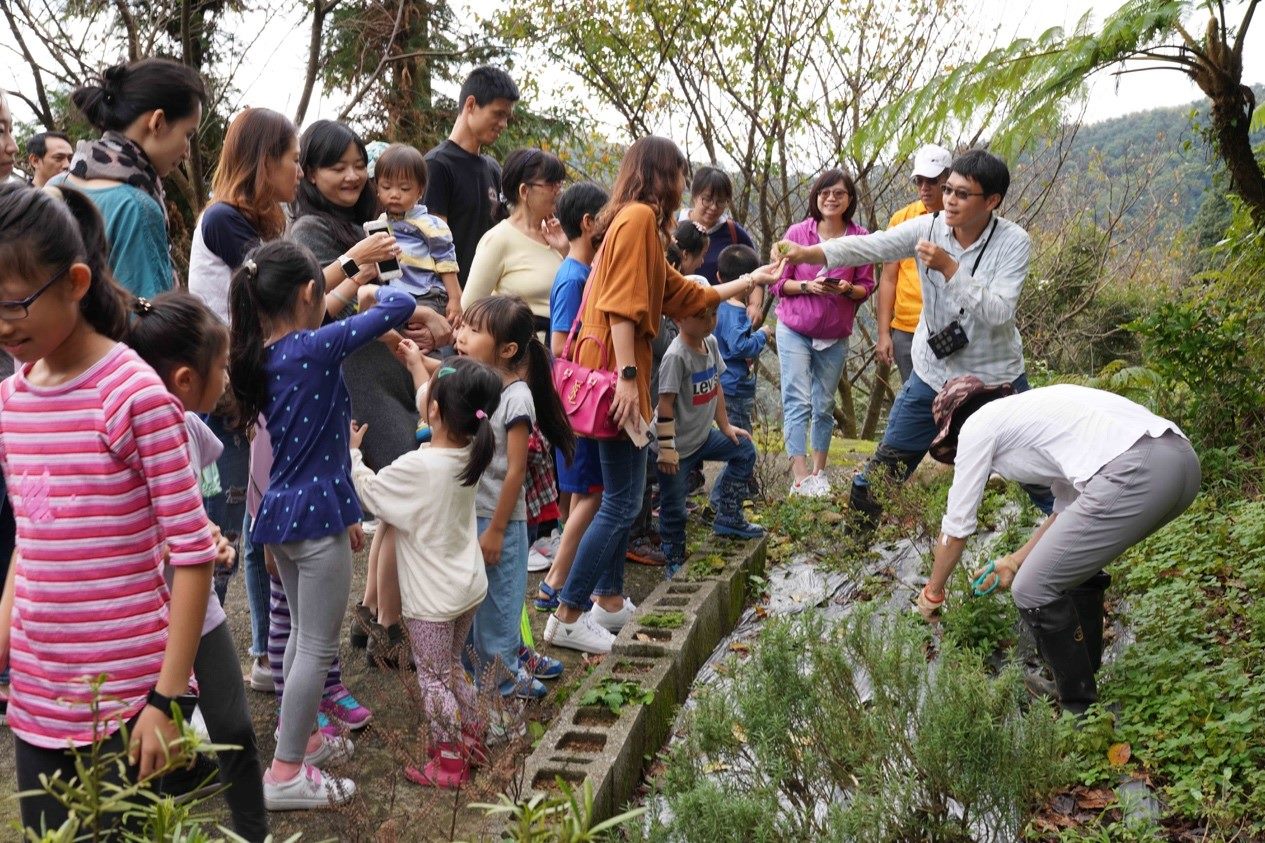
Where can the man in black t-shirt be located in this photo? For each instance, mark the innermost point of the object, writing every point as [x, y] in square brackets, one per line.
[463, 185]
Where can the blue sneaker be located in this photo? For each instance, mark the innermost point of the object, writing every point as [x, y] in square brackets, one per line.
[538, 665]
[525, 687]
[738, 528]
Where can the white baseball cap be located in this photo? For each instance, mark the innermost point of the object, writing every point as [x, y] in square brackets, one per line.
[932, 161]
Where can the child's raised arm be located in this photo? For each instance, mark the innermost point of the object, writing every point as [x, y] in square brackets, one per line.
[421, 367]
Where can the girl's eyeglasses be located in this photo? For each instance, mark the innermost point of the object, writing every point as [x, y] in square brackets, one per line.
[12, 311]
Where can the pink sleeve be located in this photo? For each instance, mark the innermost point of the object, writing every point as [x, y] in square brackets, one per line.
[260, 467]
[152, 437]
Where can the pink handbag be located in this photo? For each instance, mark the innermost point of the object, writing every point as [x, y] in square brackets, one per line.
[586, 393]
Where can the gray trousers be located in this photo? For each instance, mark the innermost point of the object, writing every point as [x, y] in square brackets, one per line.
[316, 575]
[903, 352]
[1128, 499]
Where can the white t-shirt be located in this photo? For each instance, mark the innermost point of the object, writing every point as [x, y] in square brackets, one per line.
[441, 568]
[1057, 436]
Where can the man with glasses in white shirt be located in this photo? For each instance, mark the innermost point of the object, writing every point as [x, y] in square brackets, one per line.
[972, 264]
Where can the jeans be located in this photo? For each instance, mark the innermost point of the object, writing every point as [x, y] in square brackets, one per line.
[255, 574]
[726, 496]
[599, 560]
[316, 574]
[738, 409]
[910, 431]
[809, 381]
[227, 510]
[496, 632]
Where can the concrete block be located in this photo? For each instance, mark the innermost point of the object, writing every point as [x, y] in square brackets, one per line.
[591, 742]
[686, 646]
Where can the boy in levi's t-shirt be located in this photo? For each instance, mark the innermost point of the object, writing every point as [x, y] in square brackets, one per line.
[690, 400]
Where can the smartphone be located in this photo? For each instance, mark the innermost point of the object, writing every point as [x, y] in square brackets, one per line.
[388, 270]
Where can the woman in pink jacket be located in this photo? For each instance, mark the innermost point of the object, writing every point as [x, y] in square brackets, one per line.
[815, 313]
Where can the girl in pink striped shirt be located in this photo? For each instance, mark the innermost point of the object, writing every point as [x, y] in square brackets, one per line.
[94, 452]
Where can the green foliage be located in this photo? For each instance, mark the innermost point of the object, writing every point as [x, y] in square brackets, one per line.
[94, 802]
[565, 819]
[662, 620]
[701, 567]
[1208, 349]
[614, 694]
[820, 711]
[1188, 691]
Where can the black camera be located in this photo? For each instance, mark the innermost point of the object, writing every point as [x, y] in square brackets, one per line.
[948, 341]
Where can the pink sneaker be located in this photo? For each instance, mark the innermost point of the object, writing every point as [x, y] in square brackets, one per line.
[341, 705]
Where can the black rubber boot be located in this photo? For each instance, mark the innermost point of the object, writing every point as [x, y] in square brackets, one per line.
[863, 511]
[1088, 600]
[1061, 641]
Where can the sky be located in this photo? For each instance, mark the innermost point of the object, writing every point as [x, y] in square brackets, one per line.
[281, 48]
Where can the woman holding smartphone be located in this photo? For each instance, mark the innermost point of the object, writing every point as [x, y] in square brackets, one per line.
[815, 314]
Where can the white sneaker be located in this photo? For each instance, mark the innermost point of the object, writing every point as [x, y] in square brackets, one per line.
[613, 622]
[583, 635]
[537, 562]
[309, 789]
[821, 485]
[333, 750]
[261, 677]
[803, 488]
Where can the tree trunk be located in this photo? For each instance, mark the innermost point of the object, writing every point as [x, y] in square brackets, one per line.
[1231, 114]
[845, 412]
[313, 60]
[880, 394]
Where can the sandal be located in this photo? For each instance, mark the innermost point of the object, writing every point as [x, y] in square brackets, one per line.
[550, 601]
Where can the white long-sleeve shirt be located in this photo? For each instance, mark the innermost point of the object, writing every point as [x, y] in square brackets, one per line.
[983, 300]
[437, 545]
[1057, 436]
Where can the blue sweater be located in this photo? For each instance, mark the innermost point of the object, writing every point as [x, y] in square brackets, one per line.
[310, 494]
[738, 344]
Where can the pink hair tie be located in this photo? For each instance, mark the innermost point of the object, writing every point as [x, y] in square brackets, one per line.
[479, 414]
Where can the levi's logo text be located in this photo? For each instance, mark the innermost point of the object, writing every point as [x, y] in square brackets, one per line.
[706, 385]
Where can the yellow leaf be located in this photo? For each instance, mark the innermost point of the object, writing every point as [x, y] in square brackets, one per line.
[1119, 753]
[739, 733]
[740, 647]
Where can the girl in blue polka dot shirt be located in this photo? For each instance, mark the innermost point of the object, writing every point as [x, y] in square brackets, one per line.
[284, 364]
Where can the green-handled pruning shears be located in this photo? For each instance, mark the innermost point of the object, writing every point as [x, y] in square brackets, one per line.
[977, 584]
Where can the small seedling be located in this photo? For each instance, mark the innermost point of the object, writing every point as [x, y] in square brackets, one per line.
[705, 566]
[617, 693]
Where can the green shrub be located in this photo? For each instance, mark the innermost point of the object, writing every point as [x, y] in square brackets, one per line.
[1189, 690]
[842, 733]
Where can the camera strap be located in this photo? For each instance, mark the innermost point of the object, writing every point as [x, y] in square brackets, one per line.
[979, 256]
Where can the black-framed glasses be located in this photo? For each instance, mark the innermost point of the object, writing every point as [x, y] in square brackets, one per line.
[12, 311]
[962, 195]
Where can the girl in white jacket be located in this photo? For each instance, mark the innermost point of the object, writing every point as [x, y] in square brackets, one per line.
[427, 495]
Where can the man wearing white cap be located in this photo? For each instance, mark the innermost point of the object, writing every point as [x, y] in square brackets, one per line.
[900, 290]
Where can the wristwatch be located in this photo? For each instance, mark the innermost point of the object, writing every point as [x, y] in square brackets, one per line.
[350, 268]
[186, 702]
[803, 286]
[628, 373]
